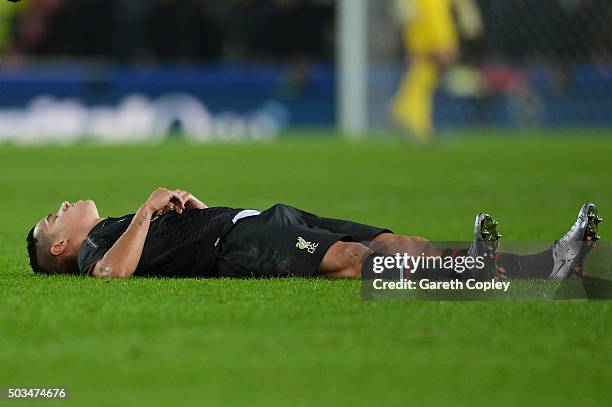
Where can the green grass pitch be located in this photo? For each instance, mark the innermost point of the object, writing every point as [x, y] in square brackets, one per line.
[307, 342]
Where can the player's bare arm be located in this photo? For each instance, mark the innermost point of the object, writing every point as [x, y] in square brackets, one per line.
[122, 259]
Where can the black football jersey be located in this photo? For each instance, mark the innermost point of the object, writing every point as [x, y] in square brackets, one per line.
[177, 245]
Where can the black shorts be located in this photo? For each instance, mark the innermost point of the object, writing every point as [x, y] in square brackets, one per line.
[284, 241]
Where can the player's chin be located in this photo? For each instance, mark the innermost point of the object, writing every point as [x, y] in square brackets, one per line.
[90, 205]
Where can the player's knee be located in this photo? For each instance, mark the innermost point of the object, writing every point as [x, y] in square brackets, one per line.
[392, 243]
[416, 239]
[346, 257]
[393, 238]
[351, 254]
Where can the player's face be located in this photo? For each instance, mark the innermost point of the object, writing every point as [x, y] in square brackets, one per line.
[70, 219]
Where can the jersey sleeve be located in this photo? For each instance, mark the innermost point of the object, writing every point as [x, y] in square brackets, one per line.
[91, 251]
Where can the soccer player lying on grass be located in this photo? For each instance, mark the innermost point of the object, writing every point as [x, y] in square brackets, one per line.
[174, 234]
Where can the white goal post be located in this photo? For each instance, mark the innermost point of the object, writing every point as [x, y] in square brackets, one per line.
[352, 67]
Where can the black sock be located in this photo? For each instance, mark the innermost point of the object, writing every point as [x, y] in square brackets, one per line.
[538, 265]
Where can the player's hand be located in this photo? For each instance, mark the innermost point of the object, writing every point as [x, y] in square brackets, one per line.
[189, 200]
[162, 197]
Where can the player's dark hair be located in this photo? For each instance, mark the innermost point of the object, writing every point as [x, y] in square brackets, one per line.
[32, 251]
[41, 260]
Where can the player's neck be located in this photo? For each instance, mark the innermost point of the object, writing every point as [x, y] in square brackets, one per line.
[78, 240]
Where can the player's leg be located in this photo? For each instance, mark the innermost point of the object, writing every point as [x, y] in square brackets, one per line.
[340, 260]
[563, 258]
[343, 260]
[346, 259]
[416, 246]
[390, 243]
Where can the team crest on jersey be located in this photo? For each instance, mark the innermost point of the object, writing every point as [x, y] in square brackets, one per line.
[304, 245]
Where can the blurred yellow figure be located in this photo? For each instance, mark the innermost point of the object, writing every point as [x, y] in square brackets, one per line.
[432, 43]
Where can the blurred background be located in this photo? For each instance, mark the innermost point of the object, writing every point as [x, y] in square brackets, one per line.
[252, 69]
